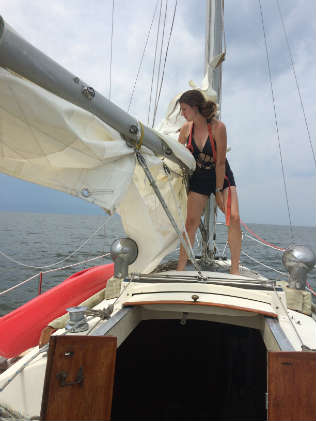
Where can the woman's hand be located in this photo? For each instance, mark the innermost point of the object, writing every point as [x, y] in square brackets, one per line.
[220, 200]
[184, 133]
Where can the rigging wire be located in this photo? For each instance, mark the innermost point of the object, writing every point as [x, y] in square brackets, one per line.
[262, 264]
[263, 243]
[286, 313]
[165, 61]
[111, 49]
[180, 215]
[53, 270]
[296, 79]
[276, 121]
[142, 58]
[154, 65]
[160, 57]
[60, 261]
[260, 238]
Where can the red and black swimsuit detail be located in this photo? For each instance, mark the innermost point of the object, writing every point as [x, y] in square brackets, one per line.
[203, 180]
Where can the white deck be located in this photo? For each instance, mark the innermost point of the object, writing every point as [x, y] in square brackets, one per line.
[223, 298]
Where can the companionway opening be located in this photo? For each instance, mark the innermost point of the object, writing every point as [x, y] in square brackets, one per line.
[197, 371]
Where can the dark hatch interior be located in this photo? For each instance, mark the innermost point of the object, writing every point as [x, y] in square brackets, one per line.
[199, 371]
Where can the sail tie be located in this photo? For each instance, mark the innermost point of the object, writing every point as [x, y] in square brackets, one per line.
[141, 137]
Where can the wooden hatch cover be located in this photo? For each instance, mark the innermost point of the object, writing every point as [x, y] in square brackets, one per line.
[292, 386]
[79, 378]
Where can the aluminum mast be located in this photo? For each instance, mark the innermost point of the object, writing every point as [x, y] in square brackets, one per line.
[213, 48]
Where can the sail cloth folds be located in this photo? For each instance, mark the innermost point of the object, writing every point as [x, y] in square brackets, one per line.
[153, 233]
[49, 141]
[46, 140]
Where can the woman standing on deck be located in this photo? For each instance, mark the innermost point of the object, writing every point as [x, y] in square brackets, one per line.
[206, 138]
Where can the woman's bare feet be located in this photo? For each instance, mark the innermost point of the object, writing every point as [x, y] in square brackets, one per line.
[234, 271]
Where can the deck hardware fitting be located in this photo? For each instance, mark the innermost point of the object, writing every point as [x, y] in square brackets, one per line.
[62, 376]
[183, 321]
[124, 252]
[133, 129]
[77, 321]
[76, 79]
[88, 92]
[85, 192]
[167, 151]
[298, 261]
[195, 297]
[68, 354]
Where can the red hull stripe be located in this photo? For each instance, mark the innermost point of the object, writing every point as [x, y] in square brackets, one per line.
[21, 329]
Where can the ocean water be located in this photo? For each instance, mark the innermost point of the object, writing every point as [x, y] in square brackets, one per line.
[31, 239]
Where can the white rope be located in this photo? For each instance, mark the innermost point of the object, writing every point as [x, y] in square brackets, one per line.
[60, 261]
[18, 285]
[260, 263]
[260, 242]
[52, 270]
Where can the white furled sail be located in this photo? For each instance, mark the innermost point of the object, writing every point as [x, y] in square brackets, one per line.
[49, 141]
[144, 219]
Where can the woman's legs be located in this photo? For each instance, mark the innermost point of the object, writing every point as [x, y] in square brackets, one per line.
[234, 231]
[195, 207]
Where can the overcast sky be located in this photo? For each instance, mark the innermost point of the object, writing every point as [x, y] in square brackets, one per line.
[76, 33]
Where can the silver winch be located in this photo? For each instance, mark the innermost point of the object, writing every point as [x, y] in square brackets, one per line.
[124, 252]
[77, 320]
[298, 261]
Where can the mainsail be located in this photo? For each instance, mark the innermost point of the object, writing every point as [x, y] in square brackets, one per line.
[48, 140]
[59, 132]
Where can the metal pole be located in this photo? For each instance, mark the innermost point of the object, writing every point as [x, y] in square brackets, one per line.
[40, 284]
[213, 47]
[143, 164]
[19, 56]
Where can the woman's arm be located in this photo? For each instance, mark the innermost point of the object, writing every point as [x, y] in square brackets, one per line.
[221, 147]
[184, 133]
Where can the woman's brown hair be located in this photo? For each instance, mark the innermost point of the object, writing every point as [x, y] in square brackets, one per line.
[195, 98]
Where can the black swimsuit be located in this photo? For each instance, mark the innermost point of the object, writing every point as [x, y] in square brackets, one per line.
[203, 180]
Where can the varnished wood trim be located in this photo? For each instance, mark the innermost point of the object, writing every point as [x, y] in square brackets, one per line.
[292, 386]
[200, 303]
[46, 333]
